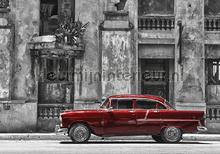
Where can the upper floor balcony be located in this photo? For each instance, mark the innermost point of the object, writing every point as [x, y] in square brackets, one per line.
[212, 23]
[156, 29]
[165, 22]
[212, 29]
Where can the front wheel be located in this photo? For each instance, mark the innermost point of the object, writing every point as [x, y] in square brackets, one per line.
[171, 135]
[79, 133]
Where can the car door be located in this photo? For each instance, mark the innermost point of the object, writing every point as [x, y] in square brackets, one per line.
[147, 114]
[120, 118]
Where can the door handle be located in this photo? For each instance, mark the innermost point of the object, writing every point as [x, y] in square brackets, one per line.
[156, 111]
[132, 113]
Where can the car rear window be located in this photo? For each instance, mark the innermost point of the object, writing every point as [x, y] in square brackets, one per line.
[121, 104]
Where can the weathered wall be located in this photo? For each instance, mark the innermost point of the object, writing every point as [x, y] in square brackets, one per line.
[212, 52]
[156, 51]
[6, 37]
[116, 62]
[190, 89]
[132, 7]
[15, 59]
[18, 116]
[88, 89]
[26, 18]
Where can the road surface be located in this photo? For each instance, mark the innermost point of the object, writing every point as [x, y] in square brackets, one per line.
[108, 147]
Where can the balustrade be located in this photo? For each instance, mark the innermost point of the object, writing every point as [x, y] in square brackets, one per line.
[156, 23]
[212, 23]
[213, 113]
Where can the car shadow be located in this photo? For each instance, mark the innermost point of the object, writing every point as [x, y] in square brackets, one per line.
[131, 142]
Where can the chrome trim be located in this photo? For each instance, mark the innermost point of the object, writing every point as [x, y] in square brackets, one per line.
[61, 131]
[202, 129]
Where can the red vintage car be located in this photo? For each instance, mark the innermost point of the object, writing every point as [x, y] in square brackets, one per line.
[123, 115]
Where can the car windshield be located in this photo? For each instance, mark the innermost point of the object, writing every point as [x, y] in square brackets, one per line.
[104, 103]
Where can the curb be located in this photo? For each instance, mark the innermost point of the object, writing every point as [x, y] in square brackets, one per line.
[54, 136]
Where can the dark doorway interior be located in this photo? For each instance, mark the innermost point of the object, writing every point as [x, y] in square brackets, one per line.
[155, 75]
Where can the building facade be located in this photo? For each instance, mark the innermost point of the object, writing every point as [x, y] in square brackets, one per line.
[169, 48]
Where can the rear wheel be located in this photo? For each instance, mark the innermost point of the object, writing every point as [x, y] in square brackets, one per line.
[171, 135]
[79, 133]
[157, 138]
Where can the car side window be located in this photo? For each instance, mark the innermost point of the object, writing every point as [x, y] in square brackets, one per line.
[147, 104]
[121, 104]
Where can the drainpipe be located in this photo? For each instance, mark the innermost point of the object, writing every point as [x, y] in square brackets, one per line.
[179, 23]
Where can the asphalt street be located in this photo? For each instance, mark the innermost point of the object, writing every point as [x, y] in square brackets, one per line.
[107, 147]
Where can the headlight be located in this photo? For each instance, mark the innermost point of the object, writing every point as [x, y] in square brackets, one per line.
[60, 117]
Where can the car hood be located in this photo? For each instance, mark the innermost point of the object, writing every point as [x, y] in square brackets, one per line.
[81, 111]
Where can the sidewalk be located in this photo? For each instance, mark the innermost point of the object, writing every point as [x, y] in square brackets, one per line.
[53, 136]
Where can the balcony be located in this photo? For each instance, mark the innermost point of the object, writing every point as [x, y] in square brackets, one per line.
[156, 22]
[156, 29]
[212, 23]
[212, 30]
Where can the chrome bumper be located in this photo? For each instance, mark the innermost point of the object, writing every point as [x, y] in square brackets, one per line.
[61, 131]
[202, 129]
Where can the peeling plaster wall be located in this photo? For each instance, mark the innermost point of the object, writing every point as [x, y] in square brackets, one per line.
[88, 89]
[213, 94]
[6, 36]
[116, 62]
[212, 52]
[132, 7]
[190, 88]
[21, 117]
[24, 16]
[156, 51]
[26, 20]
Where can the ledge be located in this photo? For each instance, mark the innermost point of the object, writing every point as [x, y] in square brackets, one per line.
[54, 49]
[4, 10]
[212, 38]
[156, 37]
[11, 102]
[116, 15]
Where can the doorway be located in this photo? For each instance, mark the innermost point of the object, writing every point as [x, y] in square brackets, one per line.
[155, 77]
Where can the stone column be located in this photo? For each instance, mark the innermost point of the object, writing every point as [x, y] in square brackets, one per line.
[117, 53]
[189, 84]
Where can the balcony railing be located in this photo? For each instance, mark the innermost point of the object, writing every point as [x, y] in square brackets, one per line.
[156, 23]
[213, 113]
[212, 23]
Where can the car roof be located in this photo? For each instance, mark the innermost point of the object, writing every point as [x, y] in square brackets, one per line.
[136, 96]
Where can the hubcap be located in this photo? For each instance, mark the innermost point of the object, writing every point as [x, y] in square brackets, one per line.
[172, 134]
[80, 134]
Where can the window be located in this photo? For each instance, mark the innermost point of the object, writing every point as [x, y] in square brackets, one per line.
[57, 70]
[56, 82]
[212, 7]
[155, 7]
[214, 71]
[49, 16]
[50, 11]
[147, 104]
[121, 104]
